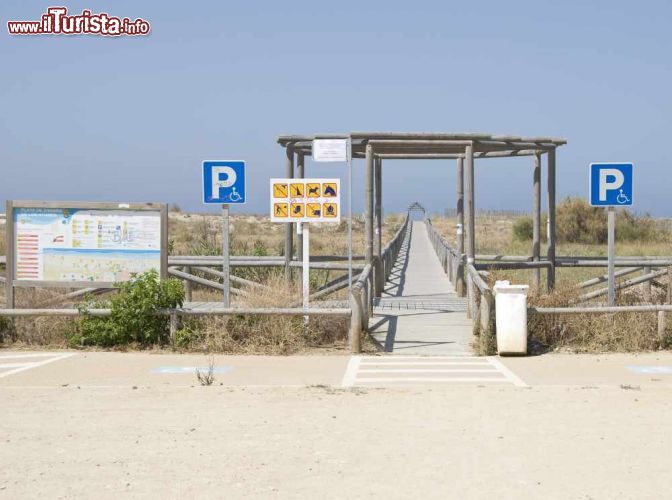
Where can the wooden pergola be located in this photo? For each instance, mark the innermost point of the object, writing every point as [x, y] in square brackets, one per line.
[375, 147]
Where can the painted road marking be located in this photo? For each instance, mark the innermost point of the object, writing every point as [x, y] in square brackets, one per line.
[15, 368]
[656, 370]
[395, 370]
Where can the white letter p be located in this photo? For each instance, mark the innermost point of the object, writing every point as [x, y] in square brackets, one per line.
[229, 180]
[605, 185]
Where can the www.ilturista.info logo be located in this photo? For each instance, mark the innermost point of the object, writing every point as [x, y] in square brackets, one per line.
[56, 21]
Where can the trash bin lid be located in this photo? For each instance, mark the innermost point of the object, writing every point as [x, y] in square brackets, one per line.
[505, 287]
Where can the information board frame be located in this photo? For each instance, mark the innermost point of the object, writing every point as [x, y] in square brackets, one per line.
[11, 205]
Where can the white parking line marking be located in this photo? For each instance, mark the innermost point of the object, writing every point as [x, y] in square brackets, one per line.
[28, 355]
[512, 377]
[13, 365]
[37, 364]
[351, 371]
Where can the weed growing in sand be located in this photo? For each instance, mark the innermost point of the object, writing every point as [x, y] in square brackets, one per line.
[207, 377]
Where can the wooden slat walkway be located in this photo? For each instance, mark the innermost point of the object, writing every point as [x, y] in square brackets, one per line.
[419, 311]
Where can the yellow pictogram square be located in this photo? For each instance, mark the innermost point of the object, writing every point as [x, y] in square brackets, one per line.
[313, 190]
[279, 190]
[297, 190]
[296, 210]
[313, 209]
[280, 209]
[329, 190]
[330, 210]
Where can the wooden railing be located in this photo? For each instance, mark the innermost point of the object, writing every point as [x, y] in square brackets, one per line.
[451, 261]
[367, 286]
[480, 299]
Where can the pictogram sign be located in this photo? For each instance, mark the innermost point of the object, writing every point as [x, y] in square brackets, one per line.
[305, 200]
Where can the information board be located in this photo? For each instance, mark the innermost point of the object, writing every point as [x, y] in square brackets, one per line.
[74, 244]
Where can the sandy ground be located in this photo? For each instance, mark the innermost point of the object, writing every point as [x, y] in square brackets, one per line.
[448, 442]
[104, 425]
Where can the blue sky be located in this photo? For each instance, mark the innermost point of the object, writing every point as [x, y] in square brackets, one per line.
[131, 119]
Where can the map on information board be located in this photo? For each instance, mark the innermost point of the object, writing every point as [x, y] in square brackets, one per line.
[56, 244]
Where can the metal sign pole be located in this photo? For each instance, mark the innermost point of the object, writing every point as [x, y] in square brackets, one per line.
[225, 254]
[349, 152]
[306, 267]
[611, 223]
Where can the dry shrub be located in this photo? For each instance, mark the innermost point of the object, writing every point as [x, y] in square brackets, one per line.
[263, 334]
[619, 332]
[40, 331]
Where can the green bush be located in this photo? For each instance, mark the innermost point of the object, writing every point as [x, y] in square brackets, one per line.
[133, 319]
[5, 326]
[522, 229]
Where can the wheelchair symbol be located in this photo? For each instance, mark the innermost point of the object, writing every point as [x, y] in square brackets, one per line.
[234, 196]
[622, 198]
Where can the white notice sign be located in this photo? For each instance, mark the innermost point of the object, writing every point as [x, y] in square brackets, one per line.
[330, 150]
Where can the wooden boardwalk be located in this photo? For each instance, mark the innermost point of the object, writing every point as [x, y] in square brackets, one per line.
[419, 312]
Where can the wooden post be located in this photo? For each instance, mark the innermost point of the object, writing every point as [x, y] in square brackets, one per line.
[661, 328]
[355, 323]
[187, 285]
[378, 227]
[289, 227]
[173, 328]
[471, 226]
[9, 262]
[459, 279]
[471, 213]
[669, 285]
[368, 207]
[164, 242]
[550, 277]
[646, 286]
[536, 219]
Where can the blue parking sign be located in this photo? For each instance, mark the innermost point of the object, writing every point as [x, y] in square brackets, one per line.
[611, 184]
[224, 182]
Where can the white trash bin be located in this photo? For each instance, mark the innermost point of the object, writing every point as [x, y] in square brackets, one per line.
[511, 318]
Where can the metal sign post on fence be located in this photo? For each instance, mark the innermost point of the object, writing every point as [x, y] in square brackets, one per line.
[224, 183]
[226, 259]
[611, 252]
[611, 186]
